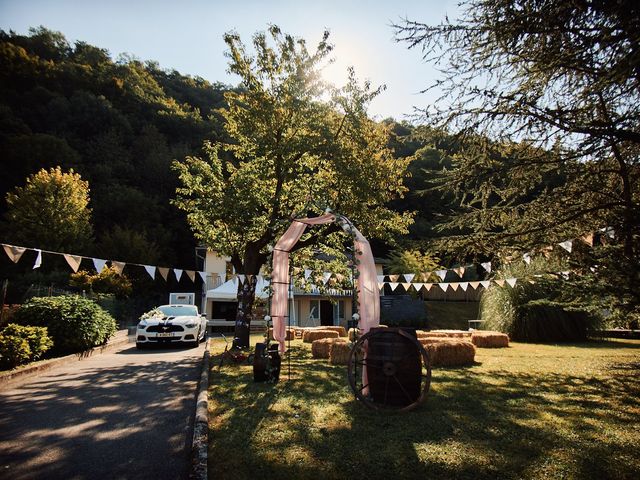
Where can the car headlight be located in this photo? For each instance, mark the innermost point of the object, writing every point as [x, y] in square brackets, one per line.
[142, 325]
[191, 325]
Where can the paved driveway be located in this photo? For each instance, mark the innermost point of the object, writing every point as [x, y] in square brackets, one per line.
[126, 414]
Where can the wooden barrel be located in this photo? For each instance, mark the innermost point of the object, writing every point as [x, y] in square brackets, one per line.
[266, 365]
[394, 367]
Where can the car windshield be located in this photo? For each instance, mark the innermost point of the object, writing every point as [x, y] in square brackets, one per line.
[179, 311]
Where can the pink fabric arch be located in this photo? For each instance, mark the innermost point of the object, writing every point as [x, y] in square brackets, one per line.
[367, 282]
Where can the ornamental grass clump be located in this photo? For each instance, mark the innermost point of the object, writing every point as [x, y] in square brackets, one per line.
[310, 335]
[320, 348]
[74, 323]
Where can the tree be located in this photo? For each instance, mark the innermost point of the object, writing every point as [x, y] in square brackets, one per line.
[51, 212]
[555, 86]
[288, 141]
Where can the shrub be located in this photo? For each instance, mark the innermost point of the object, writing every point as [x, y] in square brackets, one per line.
[529, 312]
[75, 323]
[20, 344]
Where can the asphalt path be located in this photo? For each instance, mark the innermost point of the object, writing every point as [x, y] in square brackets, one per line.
[125, 414]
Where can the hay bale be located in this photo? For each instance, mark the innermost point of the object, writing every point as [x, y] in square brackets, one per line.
[339, 353]
[449, 352]
[320, 348]
[489, 339]
[310, 335]
[422, 334]
[453, 333]
[340, 329]
[289, 334]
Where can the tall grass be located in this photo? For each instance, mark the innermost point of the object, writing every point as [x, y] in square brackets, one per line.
[531, 311]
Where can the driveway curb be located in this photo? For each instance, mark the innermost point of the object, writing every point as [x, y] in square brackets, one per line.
[200, 446]
[31, 370]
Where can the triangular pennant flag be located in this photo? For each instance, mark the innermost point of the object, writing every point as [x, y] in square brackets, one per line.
[380, 278]
[567, 245]
[464, 286]
[393, 285]
[486, 266]
[151, 270]
[418, 286]
[512, 281]
[408, 276]
[191, 274]
[474, 285]
[588, 239]
[178, 273]
[459, 271]
[393, 278]
[38, 261]
[441, 273]
[380, 285]
[307, 274]
[241, 278]
[118, 266]
[500, 283]
[99, 264]
[164, 272]
[455, 286]
[203, 276]
[444, 286]
[428, 286]
[406, 286]
[325, 277]
[527, 258]
[73, 261]
[14, 253]
[485, 283]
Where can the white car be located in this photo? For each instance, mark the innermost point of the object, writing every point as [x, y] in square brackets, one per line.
[170, 324]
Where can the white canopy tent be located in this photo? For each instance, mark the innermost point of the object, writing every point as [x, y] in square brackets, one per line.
[228, 291]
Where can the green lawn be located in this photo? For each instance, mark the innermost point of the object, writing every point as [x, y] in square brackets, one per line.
[529, 411]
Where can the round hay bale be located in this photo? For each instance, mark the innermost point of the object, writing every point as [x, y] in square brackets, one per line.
[489, 339]
[340, 329]
[339, 353]
[311, 335]
[449, 352]
[320, 348]
[289, 334]
[453, 333]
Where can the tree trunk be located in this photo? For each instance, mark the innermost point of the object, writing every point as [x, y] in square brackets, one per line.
[246, 298]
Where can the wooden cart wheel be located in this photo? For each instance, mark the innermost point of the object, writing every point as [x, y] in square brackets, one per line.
[397, 366]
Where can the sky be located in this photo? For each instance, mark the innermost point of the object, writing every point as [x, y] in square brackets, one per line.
[187, 35]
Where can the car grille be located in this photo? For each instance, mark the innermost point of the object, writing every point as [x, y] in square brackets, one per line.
[165, 328]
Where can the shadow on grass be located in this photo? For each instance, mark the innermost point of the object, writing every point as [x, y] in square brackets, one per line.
[474, 424]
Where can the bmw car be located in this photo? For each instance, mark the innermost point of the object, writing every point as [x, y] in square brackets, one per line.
[171, 324]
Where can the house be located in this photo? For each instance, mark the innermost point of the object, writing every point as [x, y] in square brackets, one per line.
[307, 309]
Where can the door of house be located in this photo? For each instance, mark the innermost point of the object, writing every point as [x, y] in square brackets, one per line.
[326, 312]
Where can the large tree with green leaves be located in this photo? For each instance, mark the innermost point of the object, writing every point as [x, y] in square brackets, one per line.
[291, 143]
[555, 85]
[51, 211]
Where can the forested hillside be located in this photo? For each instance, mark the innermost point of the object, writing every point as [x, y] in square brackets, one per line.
[118, 123]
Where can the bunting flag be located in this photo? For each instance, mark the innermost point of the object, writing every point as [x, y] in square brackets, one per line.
[99, 264]
[459, 271]
[406, 286]
[118, 266]
[444, 286]
[203, 276]
[307, 274]
[241, 278]
[464, 286]
[393, 278]
[485, 283]
[588, 239]
[393, 285]
[428, 286]
[151, 270]
[164, 272]
[380, 278]
[499, 282]
[567, 245]
[178, 273]
[325, 277]
[418, 286]
[14, 253]
[474, 285]
[527, 258]
[486, 266]
[380, 285]
[408, 276]
[73, 261]
[512, 282]
[191, 274]
[442, 274]
[454, 286]
[38, 261]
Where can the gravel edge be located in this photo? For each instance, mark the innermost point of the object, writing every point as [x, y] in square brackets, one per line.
[200, 445]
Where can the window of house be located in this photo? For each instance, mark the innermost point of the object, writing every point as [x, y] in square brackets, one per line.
[338, 312]
[314, 309]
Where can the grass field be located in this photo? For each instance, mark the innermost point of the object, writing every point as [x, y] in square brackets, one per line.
[528, 411]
